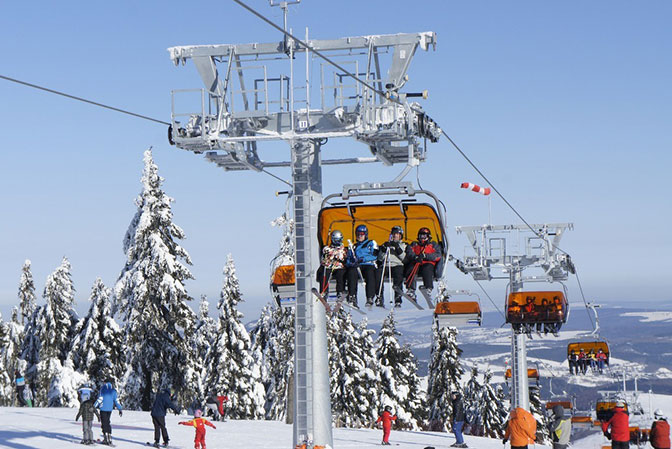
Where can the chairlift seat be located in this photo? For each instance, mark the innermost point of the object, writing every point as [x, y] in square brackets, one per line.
[532, 373]
[567, 405]
[587, 346]
[283, 285]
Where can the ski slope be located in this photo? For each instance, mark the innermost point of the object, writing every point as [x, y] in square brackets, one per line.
[51, 428]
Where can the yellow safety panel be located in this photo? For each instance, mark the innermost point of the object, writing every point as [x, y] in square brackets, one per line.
[379, 218]
[587, 346]
[531, 373]
[284, 275]
[457, 308]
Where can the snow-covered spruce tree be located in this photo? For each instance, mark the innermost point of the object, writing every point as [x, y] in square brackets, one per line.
[26, 292]
[354, 377]
[492, 409]
[445, 372]
[6, 392]
[273, 350]
[60, 318]
[537, 410]
[10, 352]
[202, 340]
[234, 370]
[151, 297]
[398, 375]
[96, 349]
[472, 396]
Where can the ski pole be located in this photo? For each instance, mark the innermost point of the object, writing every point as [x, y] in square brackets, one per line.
[382, 275]
[354, 256]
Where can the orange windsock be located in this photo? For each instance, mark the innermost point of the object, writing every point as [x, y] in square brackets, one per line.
[475, 188]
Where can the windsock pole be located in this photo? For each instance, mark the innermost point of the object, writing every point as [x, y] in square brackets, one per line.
[485, 191]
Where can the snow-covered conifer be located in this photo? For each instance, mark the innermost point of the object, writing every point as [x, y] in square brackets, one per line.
[10, 351]
[273, 348]
[492, 409]
[60, 318]
[398, 373]
[151, 297]
[445, 372]
[537, 410]
[202, 340]
[234, 370]
[355, 379]
[26, 292]
[5, 373]
[96, 349]
[472, 396]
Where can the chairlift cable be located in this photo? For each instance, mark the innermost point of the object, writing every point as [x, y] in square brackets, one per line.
[73, 97]
[493, 302]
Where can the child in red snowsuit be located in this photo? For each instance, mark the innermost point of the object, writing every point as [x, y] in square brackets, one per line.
[199, 423]
[386, 417]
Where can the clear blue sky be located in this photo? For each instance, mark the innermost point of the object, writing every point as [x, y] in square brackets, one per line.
[566, 106]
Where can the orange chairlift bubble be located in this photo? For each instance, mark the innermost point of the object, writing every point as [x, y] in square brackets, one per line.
[604, 409]
[361, 204]
[451, 313]
[587, 346]
[283, 285]
[531, 307]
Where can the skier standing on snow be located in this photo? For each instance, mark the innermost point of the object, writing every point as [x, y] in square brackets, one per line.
[28, 396]
[161, 405]
[86, 410]
[457, 418]
[386, 418]
[660, 431]
[521, 429]
[620, 427]
[20, 386]
[560, 427]
[199, 423]
[106, 402]
[391, 259]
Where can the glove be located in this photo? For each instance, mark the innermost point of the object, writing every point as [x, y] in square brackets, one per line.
[120, 413]
[214, 427]
[420, 257]
[77, 419]
[504, 440]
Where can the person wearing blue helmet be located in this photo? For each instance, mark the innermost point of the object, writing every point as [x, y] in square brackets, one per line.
[361, 261]
[107, 402]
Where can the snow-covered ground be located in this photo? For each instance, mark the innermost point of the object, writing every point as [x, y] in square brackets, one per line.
[50, 428]
[648, 317]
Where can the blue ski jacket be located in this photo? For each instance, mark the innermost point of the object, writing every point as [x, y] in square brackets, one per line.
[366, 253]
[107, 400]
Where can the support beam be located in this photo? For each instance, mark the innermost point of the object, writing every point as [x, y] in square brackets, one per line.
[312, 412]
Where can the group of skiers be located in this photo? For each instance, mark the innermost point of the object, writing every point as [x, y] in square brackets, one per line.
[579, 362]
[395, 259]
[102, 406]
[546, 316]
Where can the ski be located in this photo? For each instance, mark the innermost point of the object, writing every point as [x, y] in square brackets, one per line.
[160, 445]
[409, 298]
[353, 308]
[322, 300]
[427, 297]
[105, 444]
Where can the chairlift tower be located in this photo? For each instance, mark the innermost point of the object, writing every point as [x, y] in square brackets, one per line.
[258, 92]
[511, 249]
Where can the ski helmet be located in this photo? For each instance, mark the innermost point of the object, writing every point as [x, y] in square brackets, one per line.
[424, 235]
[658, 414]
[336, 237]
[397, 230]
[620, 403]
[388, 408]
[362, 229]
[198, 413]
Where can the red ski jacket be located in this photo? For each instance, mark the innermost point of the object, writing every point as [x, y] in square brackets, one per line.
[431, 251]
[620, 425]
[220, 401]
[660, 434]
[387, 419]
[199, 424]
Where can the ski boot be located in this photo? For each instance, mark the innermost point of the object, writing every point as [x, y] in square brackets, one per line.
[397, 304]
[380, 302]
[369, 302]
[352, 300]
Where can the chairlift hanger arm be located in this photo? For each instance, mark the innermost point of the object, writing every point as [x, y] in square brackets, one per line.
[181, 53]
